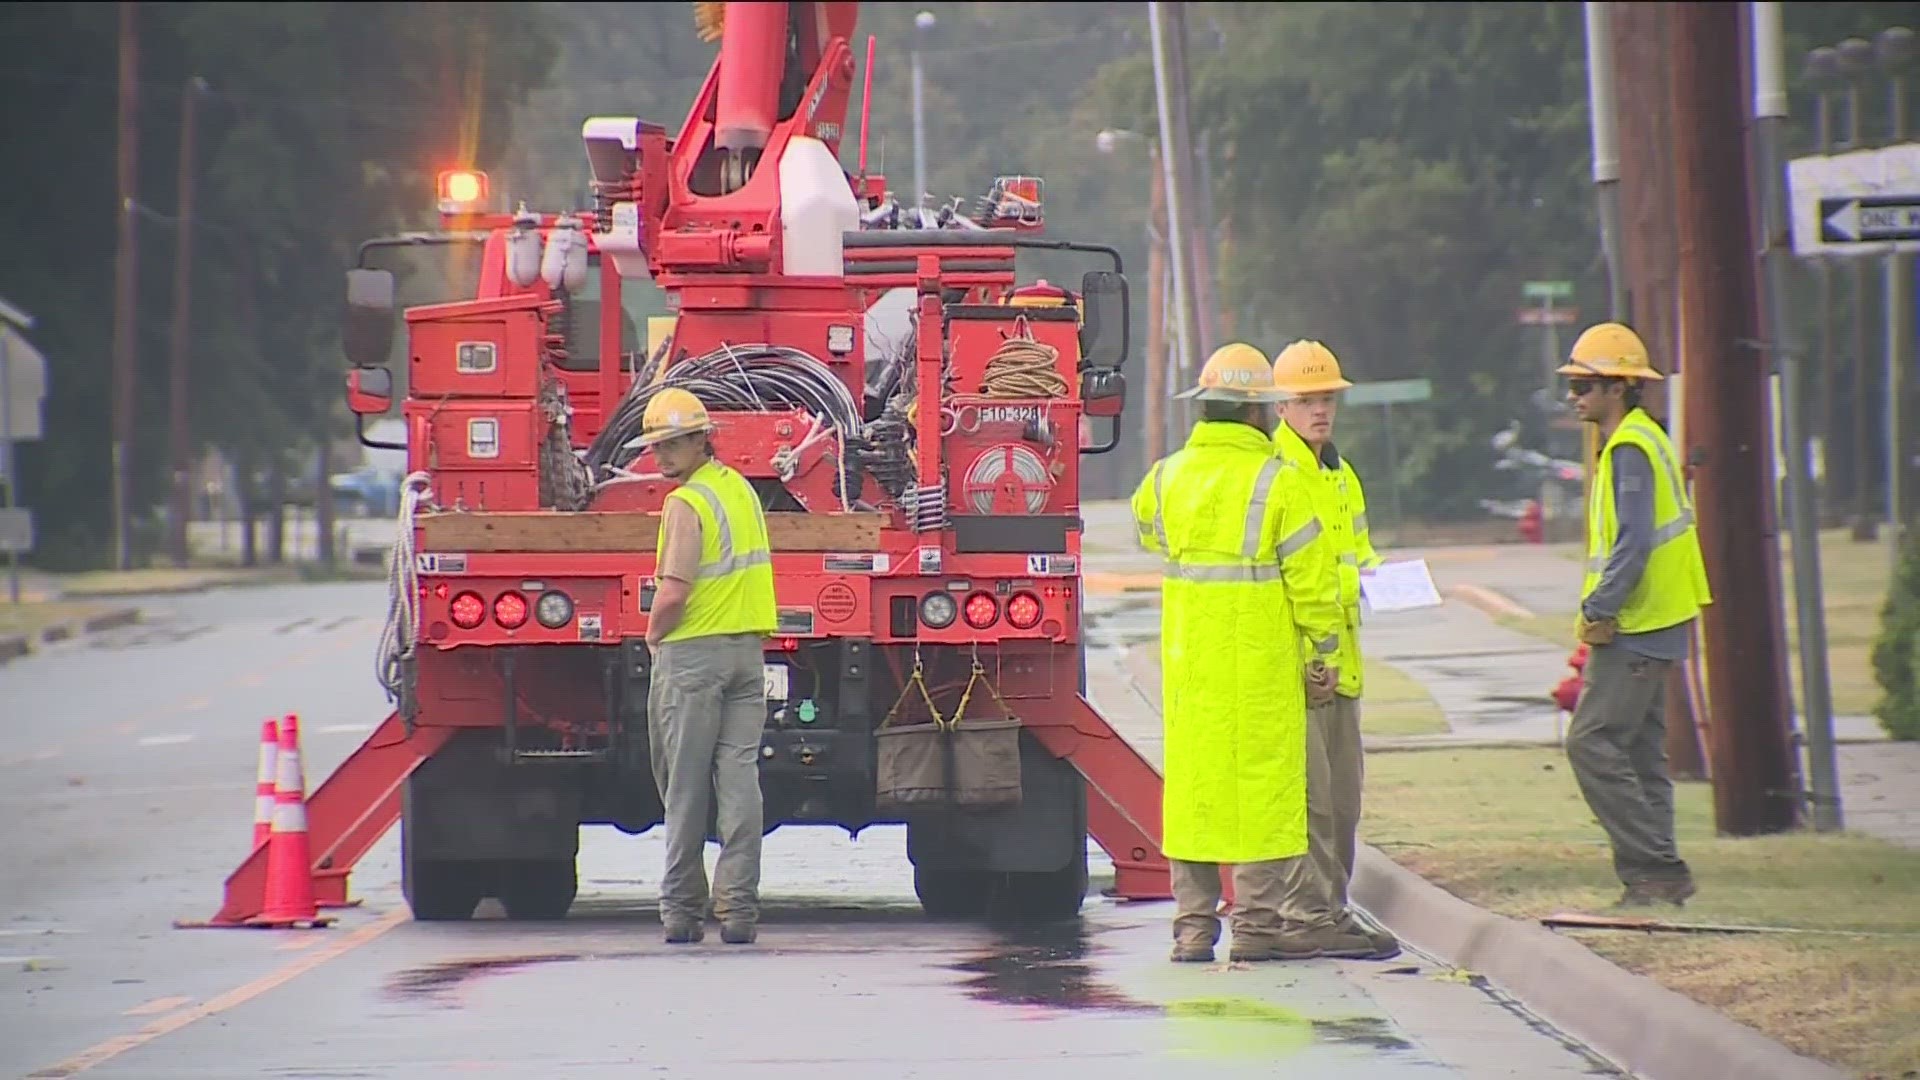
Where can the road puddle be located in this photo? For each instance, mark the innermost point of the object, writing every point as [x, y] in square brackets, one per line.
[1049, 968]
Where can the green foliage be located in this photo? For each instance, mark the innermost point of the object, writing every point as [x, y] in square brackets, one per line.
[322, 124]
[1896, 654]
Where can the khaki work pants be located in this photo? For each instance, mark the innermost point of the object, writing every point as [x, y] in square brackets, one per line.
[1256, 902]
[1617, 747]
[706, 709]
[1315, 888]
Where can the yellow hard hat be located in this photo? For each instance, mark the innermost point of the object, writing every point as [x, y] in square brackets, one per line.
[1236, 372]
[1308, 367]
[672, 412]
[1610, 350]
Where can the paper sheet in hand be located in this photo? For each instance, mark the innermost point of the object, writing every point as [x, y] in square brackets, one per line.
[1400, 586]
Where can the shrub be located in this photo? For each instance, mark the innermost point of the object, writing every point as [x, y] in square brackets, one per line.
[1896, 654]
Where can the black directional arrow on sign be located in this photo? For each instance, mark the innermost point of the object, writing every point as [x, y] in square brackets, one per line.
[1870, 218]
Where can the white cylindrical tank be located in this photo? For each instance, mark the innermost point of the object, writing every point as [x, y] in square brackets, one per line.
[817, 206]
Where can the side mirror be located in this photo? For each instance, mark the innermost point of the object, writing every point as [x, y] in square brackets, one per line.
[1104, 323]
[366, 333]
[1103, 392]
[369, 390]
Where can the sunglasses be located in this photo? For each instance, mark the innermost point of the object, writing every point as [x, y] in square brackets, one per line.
[1583, 387]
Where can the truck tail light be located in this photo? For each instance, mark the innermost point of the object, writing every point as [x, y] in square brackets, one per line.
[554, 609]
[1023, 611]
[510, 610]
[981, 611]
[467, 610]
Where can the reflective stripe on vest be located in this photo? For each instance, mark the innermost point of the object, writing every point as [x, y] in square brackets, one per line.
[726, 562]
[732, 591]
[1663, 534]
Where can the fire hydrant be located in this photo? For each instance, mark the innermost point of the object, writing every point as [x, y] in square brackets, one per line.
[1567, 693]
[1533, 523]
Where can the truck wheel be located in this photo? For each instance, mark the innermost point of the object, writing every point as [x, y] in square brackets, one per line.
[952, 894]
[537, 888]
[1047, 897]
[442, 890]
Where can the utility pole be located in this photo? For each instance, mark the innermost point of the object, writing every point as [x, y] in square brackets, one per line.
[178, 466]
[125, 267]
[1650, 259]
[1727, 435]
[1822, 70]
[1893, 48]
[1770, 116]
[1856, 60]
[1178, 193]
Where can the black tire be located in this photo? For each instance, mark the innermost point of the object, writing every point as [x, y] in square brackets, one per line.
[1041, 898]
[442, 891]
[952, 894]
[536, 889]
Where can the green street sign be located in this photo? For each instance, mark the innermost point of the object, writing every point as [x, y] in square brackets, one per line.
[1547, 290]
[1394, 392]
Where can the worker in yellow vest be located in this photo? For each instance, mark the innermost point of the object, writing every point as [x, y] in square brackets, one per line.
[1645, 584]
[712, 611]
[1316, 888]
[1247, 580]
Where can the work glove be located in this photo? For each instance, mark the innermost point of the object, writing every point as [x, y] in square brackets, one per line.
[1321, 681]
[1597, 631]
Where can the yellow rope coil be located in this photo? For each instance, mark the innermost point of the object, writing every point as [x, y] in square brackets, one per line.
[1023, 367]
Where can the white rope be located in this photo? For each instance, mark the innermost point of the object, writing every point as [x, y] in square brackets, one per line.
[403, 589]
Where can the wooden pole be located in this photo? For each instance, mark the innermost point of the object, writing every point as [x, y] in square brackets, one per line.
[178, 468]
[125, 278]
[1642, 89]
[1727, 434]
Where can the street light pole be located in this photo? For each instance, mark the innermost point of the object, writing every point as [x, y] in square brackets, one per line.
[923, 23]
[1177, 232]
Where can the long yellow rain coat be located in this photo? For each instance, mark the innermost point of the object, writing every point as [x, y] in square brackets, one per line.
[1246, 581]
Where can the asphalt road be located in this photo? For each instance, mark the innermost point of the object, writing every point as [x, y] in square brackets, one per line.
[126, 771]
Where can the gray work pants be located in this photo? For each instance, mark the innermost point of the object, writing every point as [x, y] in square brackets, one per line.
[1256, 902]
[1617, 746]
[706, 709]
[1316, 886]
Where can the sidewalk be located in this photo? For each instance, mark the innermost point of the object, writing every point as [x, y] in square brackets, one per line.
[1491, 683]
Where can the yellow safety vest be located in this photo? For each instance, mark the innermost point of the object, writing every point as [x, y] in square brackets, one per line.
[1341, 505]
[1673, 588]
[1245, 578]
[733, 587]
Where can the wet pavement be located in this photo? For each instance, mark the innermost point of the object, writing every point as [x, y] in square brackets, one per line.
[126, 768]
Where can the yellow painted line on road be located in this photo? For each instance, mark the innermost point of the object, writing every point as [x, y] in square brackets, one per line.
[1489, 601]
[104, 1052]
[157, 1005]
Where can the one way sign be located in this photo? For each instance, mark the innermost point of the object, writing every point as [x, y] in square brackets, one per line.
[1873, 218]
[1858, 204]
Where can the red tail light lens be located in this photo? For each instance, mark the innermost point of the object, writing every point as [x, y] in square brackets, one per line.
[510, 610]
[981, 611]
[1023, 611]
[467, 610]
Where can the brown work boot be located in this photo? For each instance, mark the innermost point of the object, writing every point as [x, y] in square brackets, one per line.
[1192, 954]
[1381, 942]
[1341, 941]
[1292, 945]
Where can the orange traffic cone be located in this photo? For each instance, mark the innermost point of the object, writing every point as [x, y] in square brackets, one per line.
[290, 899]
[264, 781]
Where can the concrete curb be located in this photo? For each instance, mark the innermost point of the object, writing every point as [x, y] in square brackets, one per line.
[15, 646]
[1640, 1025]
[1487, 600]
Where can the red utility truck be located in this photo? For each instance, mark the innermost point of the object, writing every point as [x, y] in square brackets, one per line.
[920, 478]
